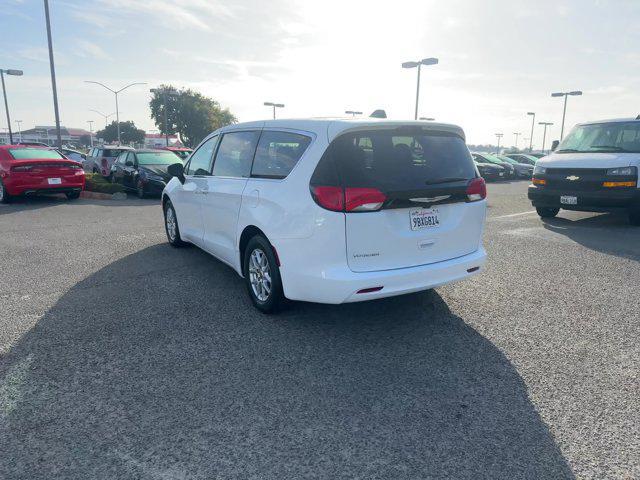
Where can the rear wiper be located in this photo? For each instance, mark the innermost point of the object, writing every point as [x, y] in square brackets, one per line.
[446, 180]
[609, 147]
[568, 150]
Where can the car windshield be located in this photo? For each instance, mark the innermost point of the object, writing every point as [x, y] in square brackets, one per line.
[603, 137]
[157, 158]
[488, 158]
[34, 154]
[508, 160]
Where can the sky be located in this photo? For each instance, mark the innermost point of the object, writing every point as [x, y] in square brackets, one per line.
[498, 59]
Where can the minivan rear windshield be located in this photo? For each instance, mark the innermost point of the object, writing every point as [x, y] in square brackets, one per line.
[393, 160]
[603, 137]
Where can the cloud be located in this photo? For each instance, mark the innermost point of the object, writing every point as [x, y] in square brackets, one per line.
[87, 49]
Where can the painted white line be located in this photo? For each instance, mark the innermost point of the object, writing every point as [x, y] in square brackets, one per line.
[513, 215]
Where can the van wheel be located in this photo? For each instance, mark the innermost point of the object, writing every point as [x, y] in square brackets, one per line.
[171, 226]
[547, 212]
[262, 275]
[634, 218]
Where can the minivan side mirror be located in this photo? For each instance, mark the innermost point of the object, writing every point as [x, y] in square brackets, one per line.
[176, 170]
[554, 145]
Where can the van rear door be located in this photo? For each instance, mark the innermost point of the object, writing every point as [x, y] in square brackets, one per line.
[406, 197]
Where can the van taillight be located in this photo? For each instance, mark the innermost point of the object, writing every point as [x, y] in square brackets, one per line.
[363, 199]
[350, 199]
[331, 198]
[476, 190]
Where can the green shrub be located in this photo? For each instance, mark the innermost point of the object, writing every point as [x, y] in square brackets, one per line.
[94, 182]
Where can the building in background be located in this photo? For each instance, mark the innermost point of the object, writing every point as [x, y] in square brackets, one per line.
[157, 140]
[47, 134]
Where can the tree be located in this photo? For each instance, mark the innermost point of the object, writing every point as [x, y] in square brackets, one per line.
[189, 113]
[128, 133]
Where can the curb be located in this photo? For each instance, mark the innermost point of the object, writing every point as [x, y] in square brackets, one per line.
[103, 196]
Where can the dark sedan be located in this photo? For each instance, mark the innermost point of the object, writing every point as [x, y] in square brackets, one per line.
[143, 171]
[489, 171]
[510, 171]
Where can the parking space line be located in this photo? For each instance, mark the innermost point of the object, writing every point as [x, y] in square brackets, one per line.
[513, 215]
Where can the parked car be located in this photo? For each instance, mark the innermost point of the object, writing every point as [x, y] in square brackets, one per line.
[509, 170]
[489, 171]
[594, 169]
[523, 158]
[538, 155]
[144, 171]
[74, 155]
[332, 211]
[182, 152]
[28, 170]
[523, 170]
[100, 159]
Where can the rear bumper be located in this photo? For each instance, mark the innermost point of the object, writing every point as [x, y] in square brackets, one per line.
[340, 284]
[588, 201]
[37, 186]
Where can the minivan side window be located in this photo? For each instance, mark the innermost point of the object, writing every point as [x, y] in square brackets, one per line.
[200, 160]
[278, 153]
[235, 154]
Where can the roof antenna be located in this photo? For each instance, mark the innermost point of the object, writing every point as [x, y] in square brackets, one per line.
[638, 117]
[378, 114]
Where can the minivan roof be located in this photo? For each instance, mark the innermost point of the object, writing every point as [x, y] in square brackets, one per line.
[332, 127]
[611, 120]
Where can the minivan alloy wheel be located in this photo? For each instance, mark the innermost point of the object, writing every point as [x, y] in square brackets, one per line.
[260, 275]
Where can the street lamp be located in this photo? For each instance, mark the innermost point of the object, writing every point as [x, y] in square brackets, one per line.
[165, 92]
[544, 135]
[106, 117]
[4, 93]
[533, 122]
[274, 105]
[517, 134]
[424, 61]
[353, 113]
[19, 122]
[116, 92]
[428, 119]
[52, 68]
[90, 122]
[499, 136]
[564, 112]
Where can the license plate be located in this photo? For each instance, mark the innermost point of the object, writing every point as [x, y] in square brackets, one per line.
[424, 218]
[568, 200]
[54, 181]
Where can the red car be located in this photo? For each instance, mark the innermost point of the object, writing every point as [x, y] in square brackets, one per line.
[26, 170]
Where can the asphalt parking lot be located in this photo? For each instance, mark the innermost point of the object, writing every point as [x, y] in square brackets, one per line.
[122, 357]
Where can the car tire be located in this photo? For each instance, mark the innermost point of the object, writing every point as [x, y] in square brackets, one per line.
[634, 218]
[547, 212]
[140, 189]
[4, 196]
[73, 195]
[262, 275]
[171, 226]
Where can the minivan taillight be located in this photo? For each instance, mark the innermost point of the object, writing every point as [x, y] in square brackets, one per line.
[476, 190]
[363, 199]
[350, 199]
[331, 198]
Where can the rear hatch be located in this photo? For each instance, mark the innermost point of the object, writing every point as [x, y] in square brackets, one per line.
[410, 196]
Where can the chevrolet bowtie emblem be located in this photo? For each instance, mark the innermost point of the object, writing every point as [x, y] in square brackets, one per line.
[573, 178]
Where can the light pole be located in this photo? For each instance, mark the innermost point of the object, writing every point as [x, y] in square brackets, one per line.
[90, 122]
[106, 117]
[544, 135]
[353, 113]
[53, 73]
[116, 92]
[4, 93]
[424, 61]
[517, 134]
[165, 92]
[274, 105]
[499, 136]
[19, 122]
[428, 119]
[533, 122]
[564, 111]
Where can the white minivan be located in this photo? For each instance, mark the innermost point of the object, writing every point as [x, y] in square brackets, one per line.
[332, 211]
[594, 169]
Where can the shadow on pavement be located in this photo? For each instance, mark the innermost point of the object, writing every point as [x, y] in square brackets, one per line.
[170, 373]
[607, 233]
[36, 202]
